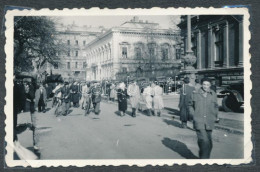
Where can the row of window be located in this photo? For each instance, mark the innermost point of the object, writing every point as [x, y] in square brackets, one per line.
[76, 65]
[151, 53]
[76, 42]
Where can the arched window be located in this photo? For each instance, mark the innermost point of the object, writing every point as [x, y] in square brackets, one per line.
[124, 49]
[151, 50]
[165, 51]
[138, 50]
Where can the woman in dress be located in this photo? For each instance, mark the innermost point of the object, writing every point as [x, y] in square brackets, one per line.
[122, 99]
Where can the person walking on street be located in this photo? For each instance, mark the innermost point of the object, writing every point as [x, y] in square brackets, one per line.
[148, 98]
[112, 92]
[75, 94]
[41, 98]
[84, 91]
[185, 97]
[66, 98]
[122, 99]
[157, 93]
[203, 105]
[134, 92]
[95, 92]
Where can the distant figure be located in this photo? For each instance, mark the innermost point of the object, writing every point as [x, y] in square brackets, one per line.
[157, 98]
[84, 90]
[134, 92]
[185, 97]
[66, 98]
[41, 98]
[112, 92]
[75, 94]
[95, 92]
[122, 98]
[197, 84]
[148, 99]
[203, 105]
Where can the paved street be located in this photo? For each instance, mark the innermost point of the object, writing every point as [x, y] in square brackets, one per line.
[110, 136]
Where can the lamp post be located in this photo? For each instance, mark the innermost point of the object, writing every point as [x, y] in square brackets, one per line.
[175, 79]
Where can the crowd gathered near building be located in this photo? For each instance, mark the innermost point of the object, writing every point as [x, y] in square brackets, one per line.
[148, 96]
[140, 49]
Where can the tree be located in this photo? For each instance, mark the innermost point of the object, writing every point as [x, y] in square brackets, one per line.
[35, 43]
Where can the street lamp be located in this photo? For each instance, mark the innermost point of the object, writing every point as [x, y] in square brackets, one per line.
[175, 84]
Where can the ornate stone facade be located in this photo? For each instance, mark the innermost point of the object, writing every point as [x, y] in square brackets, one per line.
[217, 42]
[134, 49]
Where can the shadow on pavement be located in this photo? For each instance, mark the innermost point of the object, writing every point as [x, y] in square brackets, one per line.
[179, 148]
[46, 110]
[21, 128]
[172, 111]
[173, 123]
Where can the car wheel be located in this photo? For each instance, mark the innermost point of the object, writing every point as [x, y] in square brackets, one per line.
[230, 104]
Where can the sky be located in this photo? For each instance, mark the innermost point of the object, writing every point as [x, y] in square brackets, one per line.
[111, 21]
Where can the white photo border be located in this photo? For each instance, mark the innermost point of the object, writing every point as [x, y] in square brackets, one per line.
[8, 109]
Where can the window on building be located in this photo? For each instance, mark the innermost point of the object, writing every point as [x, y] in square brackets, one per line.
[178, 53]
[138, 52]
[151, 50]
[76, 53]
[68, 42]
[76, 65]
[77, 42]
[56, 66]
[124, 69]
[165, 52]
[68, 53]
[194, 45]
[219, 48]
[68, 65]
[84, 65]
[84, 42]
[124, 52]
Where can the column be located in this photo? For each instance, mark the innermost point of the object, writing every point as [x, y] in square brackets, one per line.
[210, 57]
[226, 46]
[241, 43]
[198, 50]
[188, 34]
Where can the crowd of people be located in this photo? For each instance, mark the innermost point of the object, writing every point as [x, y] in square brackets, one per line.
[197, 103]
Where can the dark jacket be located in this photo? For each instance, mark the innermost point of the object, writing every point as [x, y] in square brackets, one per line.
[204, 109]
[66, 93]
[185, 97]
[95, 92]
[122, 99]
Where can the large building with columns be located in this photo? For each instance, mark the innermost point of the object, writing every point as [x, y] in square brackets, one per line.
[134, 49]
[217, 42]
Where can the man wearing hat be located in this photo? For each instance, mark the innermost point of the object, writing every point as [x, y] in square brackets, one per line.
[134, 92]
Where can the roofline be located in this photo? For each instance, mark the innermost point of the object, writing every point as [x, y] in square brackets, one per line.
[119, 29]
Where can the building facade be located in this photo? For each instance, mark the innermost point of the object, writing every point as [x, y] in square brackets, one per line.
[217, 42]
[135, 49]
[72, 62]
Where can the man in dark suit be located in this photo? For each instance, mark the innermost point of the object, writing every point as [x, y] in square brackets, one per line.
[204, 107]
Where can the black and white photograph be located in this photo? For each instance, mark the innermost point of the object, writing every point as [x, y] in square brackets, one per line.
[129, 87]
